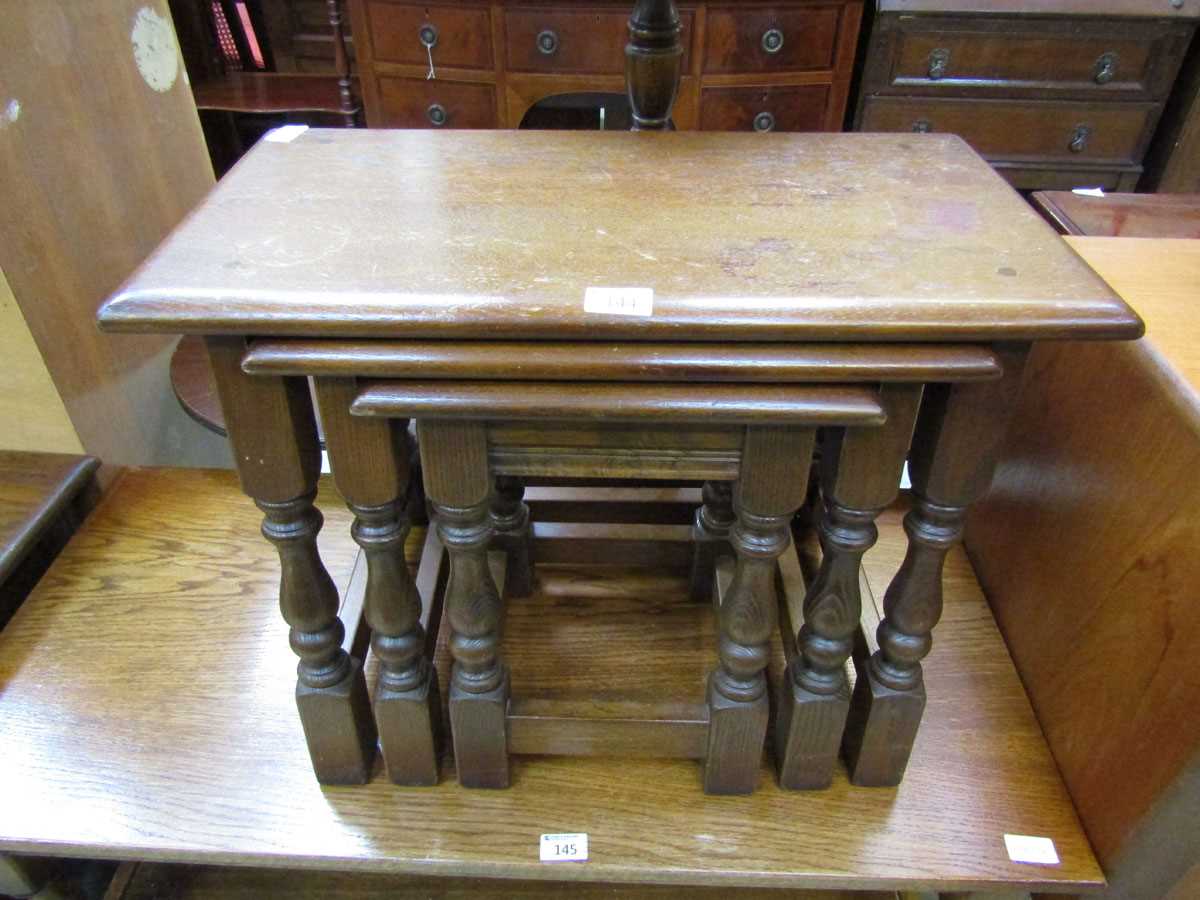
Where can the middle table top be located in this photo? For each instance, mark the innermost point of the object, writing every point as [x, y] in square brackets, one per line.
[509, 234]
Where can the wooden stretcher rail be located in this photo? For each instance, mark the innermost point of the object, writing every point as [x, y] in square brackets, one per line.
[561, 361]
[615, 402]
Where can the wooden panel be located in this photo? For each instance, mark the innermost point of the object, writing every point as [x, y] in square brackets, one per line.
[407, 103]
[35, 489]
[620, 402]
[647, 436]
[100, 161]
[1122, 215]
[265, 92]
[1173, 160]
[464, 34]
[1187, 9]
[1002, 129]
[467, 272]
[735, 37]
[27, 393]
[587, 39]
[137, 763]
[791, 108]
[623, 362]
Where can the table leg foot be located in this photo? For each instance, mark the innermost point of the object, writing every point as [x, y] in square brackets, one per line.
[478, 721]
[410, 724]
[808, 733]
[339, 728]
[880, 731]
[737, 730]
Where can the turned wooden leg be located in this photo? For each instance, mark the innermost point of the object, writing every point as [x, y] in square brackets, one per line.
[710, 535]
[370, 463]
[953, 454]
[513, 532]
[774, 476]
[454, 458]
[274, 437]
[860, 474]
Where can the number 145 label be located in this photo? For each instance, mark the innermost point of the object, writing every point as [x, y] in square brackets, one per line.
[563, 848]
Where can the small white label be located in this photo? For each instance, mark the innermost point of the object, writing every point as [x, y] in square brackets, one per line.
[623, 301]
[285, 134]
[563, 848]
[1089, 192]
[1023, 848]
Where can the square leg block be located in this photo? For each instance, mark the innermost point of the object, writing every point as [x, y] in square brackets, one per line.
[410, 725]
[737, 732]
[880, 731]
[480, 728]
[339, 728]
[808, 734]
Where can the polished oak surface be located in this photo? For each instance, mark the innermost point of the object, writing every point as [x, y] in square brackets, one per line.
[148, 714]
[472, 235]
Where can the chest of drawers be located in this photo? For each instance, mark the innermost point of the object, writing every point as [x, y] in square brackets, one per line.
[782, 66]
[1055, 95]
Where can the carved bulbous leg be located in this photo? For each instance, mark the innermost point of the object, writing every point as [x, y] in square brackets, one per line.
[407, 707]
[816, 693]
[509, 517]
[653, 63]
[710, 535]
[479, 684]
[331, 693]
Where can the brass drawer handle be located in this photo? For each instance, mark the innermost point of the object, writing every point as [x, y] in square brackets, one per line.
[772, 40]
[1079, 139]
[436, 115]
[939, 61]
[764, 121]
[428, 36]
[1106, 68]
[922, 126]
[547, 42]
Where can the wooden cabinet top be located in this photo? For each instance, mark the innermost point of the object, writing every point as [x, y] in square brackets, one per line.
[1154, 9]
[507, 234]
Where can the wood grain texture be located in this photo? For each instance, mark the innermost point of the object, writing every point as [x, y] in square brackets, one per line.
[1122, 215]
[955, 254]
[135, 764]
[90, 189]
[1094, 503]
[35, 489]
[545, 360]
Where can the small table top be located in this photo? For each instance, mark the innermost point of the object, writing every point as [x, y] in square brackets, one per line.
[501, 234]
[1122, 215]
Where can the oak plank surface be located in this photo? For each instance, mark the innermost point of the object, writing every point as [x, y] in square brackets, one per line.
[943, 248]
[114, 747]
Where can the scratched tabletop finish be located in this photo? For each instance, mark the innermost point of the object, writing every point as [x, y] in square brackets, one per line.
[500, 233]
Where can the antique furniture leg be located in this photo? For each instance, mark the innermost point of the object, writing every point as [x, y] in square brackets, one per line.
[772, 483]
[860, 475]
[370, 462]
[953, 454]
[454, 458]
[710, 535]
[509, 518]
[274, 438]
[653, 63]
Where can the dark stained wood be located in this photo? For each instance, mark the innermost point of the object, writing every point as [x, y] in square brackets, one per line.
[512, 531]
[1187, 9]
[269, 92]
[545, 361]
[619, 402]
[1173, 161]
[584, 40]
[1021, 282]
[736, 38]
[653, 63]
[860, 476]
[710, 536]
[370, 462]
[763, 109]
[1122, 215]
[192, 382]
[274, 436]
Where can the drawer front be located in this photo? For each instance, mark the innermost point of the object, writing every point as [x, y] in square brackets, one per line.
[462, 35]
[1012, 56]
[416, 103]
[789, 108]
[770, 38]
[1082, 132]
[552, 39]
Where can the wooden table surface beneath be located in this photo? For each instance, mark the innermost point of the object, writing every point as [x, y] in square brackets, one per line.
[146, 694]
[1122, 215]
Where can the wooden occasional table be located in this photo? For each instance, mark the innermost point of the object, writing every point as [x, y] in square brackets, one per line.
[479, 284]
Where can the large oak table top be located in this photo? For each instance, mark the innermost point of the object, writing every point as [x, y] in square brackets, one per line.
[499, 234]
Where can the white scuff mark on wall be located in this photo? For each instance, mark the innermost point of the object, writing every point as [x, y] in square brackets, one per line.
[154, 49]
[12, 112]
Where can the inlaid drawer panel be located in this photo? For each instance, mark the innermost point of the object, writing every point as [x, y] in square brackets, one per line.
[1079, 132]
[770, 38]
[789, 108]
[461, 35]
[587, 41]
[1009, 56]
[417, 103]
